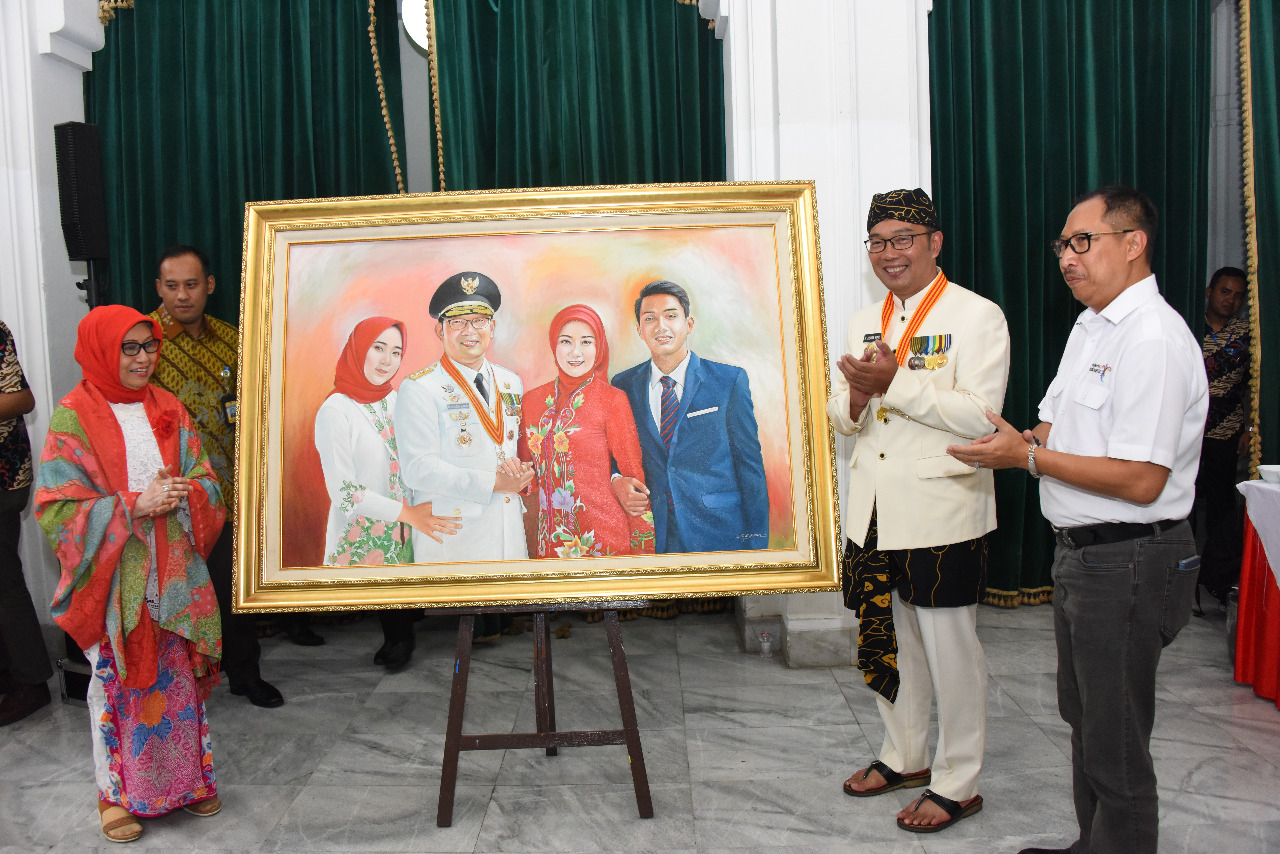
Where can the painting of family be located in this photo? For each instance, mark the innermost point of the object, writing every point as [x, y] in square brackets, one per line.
[535, 396]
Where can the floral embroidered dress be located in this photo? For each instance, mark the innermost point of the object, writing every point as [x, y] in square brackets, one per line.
[357, 447]
[576, 431]
[135, 591]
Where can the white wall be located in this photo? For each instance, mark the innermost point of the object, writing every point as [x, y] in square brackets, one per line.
[43, 45]
[1226, 233]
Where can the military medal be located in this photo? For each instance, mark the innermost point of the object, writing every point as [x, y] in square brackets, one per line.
[916, 362]
[453, 398]
[490, 416]
[926, 305]
[941, 360]
[460, 415]
[464, 438]
[931, 362]
[511, 434]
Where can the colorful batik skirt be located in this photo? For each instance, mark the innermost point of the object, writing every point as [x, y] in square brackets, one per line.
[151, 748]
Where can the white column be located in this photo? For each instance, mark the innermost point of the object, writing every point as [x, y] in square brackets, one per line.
[45, 46]
[1226, 145]
[836, 91]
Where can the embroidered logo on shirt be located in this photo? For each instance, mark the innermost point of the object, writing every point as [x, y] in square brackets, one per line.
[1100, 370]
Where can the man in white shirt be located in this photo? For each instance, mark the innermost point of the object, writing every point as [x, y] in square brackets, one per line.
[1117, 446]
[922, 369]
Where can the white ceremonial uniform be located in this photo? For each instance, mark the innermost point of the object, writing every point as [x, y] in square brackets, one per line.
[1131, 386]
[447, 458]
[923, 497]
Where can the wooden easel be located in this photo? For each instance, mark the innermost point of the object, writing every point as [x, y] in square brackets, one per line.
[547, 736]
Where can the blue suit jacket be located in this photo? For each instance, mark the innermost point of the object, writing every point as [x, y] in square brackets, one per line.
[714, 470]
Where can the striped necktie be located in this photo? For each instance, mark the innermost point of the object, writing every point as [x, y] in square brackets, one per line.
[670, 404]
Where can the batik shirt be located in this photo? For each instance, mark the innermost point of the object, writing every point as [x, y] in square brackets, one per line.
[15, 447]
[1226, 361]
[202, 372]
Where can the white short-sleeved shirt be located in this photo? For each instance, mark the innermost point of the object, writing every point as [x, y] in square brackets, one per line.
[1131, 386]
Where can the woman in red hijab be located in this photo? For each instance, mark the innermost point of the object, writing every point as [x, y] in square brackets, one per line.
[578, 428]
[370, 510]
[132, 507]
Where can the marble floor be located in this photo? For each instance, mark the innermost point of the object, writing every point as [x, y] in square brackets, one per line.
[743, 753]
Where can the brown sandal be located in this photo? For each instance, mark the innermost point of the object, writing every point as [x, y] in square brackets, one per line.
[892, 780]
[118, 824]
[204, 809]
[955, 811]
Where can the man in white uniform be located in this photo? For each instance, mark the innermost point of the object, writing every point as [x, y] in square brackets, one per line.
[923, 368]
[1117, 449]
[456, 425]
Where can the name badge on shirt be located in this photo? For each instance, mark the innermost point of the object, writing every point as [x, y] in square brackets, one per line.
[230, 408]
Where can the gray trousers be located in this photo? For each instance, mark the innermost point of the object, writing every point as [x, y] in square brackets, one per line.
[1115, 606]
[22, 651]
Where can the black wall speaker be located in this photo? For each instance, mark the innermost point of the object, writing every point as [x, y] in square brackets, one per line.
[80, 194]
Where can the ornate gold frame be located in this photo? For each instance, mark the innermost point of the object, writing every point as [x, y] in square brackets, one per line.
[787, 215]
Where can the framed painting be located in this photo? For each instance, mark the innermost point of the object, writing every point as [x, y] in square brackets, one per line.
[533, 396]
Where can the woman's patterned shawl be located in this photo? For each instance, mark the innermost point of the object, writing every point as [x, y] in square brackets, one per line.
[84, 505]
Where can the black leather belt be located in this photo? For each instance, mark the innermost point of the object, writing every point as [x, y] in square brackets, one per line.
[1110, 532]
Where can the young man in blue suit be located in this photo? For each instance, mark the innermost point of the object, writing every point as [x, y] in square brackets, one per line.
[698, 437]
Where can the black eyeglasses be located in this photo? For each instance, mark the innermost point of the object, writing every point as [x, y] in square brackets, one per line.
[477, 323]
[898, 241]
[131, 348]
[1081, 242]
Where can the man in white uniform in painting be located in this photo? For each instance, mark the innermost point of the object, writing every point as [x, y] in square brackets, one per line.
[457, 423]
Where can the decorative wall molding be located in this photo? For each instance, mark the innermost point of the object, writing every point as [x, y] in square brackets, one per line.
[69, 30]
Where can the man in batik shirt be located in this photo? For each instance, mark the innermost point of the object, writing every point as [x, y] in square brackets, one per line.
[198, 364]
[24, 662]
[1225, 342]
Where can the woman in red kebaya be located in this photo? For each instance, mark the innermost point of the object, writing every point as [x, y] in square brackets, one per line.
[578, 432]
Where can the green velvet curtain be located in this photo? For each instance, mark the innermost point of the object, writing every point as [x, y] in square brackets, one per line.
[1033, 104]
[204, 105]
[547, 93]
[1264, 32]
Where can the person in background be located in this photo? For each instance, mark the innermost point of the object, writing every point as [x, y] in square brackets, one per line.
[24, 660]
[131, 505]
[1225, 345]
[198, 365]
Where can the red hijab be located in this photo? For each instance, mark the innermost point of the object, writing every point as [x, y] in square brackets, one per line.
[98, 340]
[348, 376]
[588, 316]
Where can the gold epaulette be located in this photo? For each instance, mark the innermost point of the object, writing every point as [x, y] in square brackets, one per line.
[422, 373]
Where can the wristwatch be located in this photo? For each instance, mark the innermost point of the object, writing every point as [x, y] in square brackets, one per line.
[1031, 461]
